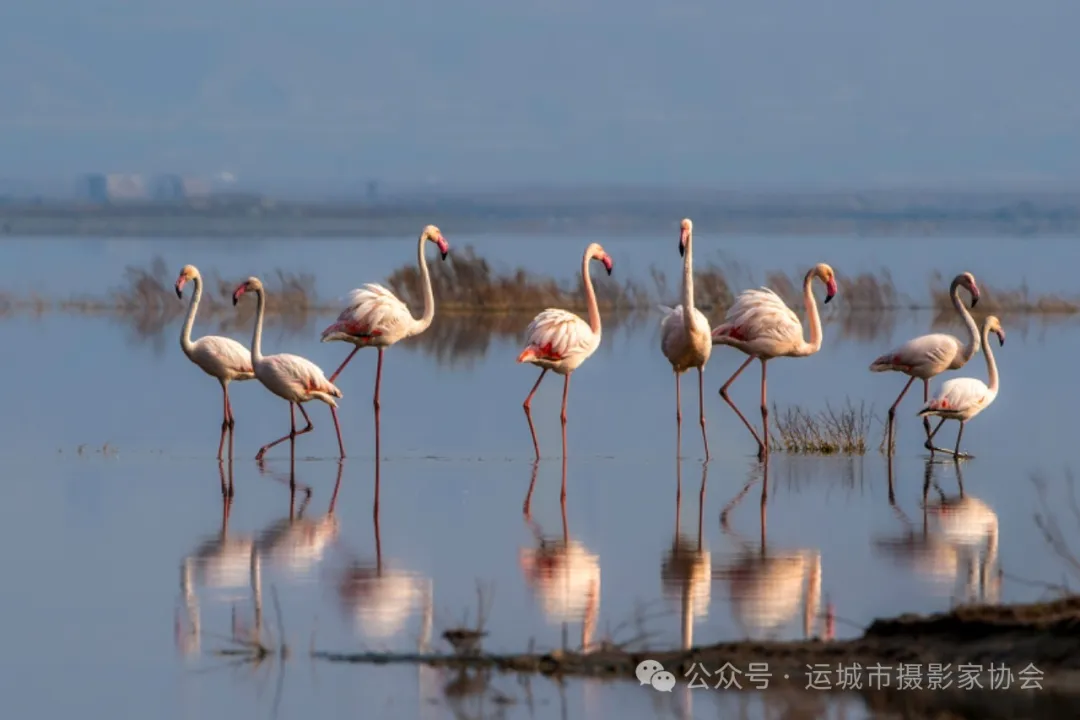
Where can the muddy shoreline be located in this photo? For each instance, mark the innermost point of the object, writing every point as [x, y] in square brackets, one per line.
[1042, 639]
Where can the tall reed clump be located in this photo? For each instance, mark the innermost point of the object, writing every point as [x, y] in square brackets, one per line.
[467, 282]
[1016, 300]
[826, 432]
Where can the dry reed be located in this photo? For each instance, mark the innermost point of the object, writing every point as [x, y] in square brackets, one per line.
[827, 432]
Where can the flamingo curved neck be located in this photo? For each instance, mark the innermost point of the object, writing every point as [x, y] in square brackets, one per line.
[816, 336]
[185, 334]
[429, 297]
[688, 282]
[991, 364]
[972, 346]
[256, 338]
[590, 295]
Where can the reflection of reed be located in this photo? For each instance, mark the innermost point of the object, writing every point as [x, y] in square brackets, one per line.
[765, 584]
[957, 534]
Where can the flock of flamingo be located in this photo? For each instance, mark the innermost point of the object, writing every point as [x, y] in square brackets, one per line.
[759, 324]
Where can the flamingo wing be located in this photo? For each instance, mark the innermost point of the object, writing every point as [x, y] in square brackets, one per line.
[301, 372]
[760, 315]
[935, 350]
[223, 353]
[557, 334]
[372, 310]
[958, 395]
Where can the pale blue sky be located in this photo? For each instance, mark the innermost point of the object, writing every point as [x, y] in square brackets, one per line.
[471, 92]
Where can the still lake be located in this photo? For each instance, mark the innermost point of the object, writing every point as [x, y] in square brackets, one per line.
[110, 436]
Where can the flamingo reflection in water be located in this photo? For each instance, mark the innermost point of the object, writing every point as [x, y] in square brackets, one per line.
[686, 571]
[958, 535]
[766, 585]
[562, 572]
[222, 562]
[380, 598]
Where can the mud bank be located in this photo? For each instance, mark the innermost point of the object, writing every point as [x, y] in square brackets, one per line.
[1042, 639]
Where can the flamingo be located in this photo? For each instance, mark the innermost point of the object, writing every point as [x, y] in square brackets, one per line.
[685, 335]
[963, 398]
[376, 317]
[290, 377]
[559, 340]
[219, 357]
[928, 356]
[762, 326]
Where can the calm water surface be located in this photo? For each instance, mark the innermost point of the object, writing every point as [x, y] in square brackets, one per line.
[118, 541]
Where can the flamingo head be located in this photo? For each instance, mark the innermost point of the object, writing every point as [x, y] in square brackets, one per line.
[967, 280]
[685, 229]
[994, 324]
[188, 272]
[827, 276]
[595, 251]
[433, 234]
[252, 284]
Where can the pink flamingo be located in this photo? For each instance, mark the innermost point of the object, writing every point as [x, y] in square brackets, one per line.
[290, 377]
[928, 356]
[762, 326]
[560, 340]
[685, 335]
[219, 357]
[961, 399]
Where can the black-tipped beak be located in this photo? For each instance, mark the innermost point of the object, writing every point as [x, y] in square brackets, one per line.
[609, 268]
[179, 292]
[235, 300]
[974, 300]
[828, 298]
[1001, 337]
[445, 253]
[682, 250]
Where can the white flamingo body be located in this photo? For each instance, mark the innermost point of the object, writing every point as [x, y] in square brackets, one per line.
[219, 357]
[760, 324]
[560, 341]
[927, 356]
[290, 377]
[375, 317]
[961, 399]
[685, 335]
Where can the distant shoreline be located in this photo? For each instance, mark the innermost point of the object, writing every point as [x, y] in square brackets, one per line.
[558, 213]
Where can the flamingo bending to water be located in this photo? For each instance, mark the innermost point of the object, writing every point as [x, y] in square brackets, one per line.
[219, 357]
[762, 326]
[963, 398]
[685, 334]
[290, 377]
[559, 340]
[928, 356]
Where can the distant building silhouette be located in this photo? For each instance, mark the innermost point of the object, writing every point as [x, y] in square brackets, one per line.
[113, 187]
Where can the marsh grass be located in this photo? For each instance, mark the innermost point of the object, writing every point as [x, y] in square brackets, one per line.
[843, 431]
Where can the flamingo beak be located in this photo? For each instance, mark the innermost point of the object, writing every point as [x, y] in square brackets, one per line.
[237, 293]
[830, 289]
[609, 264]
[444, 247]
[974, 296]
[682, 243]
[1001, 336]
[180, 286]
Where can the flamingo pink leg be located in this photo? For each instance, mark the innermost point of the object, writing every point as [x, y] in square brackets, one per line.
[528, 411]
[378, 386]
[764, 414]
[342, 366]
[678, 416]
[701, 409]
[723, 394]
[337, 428]
[926, 399]
[226, 422]
[957, 455]
[562, 417]
[892, 414]
[293, 433]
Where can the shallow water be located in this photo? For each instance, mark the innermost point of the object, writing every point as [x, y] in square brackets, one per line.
[114, 489]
